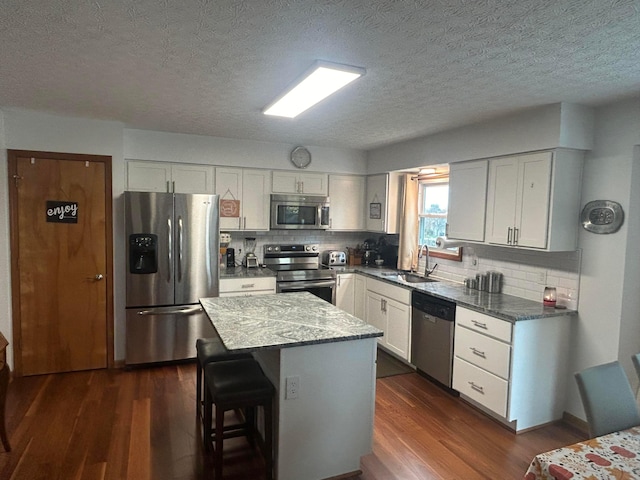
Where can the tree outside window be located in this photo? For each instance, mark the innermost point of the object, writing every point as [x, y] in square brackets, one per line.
[433, 199]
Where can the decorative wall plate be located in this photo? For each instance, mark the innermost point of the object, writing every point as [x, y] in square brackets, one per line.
[602, 216]
[300, 157]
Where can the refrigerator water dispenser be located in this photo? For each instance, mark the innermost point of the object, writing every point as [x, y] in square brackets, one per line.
[143, 254]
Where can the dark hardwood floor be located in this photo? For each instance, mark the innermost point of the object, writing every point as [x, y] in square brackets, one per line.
[141, 424]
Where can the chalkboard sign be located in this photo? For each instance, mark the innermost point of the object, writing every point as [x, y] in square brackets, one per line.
[62, 212]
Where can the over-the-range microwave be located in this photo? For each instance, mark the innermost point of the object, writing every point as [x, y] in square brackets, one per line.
[297, 212]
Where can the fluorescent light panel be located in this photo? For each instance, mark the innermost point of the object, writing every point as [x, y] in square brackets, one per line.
[318, 83]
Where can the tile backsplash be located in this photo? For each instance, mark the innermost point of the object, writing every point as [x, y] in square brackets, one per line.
[525, 272]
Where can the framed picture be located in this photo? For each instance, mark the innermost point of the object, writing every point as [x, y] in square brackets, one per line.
[375, 210]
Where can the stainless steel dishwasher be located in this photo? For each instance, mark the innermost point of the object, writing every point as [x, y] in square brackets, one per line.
[432, 322]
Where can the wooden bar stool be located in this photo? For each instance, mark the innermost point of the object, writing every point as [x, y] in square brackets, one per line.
[232, 385]
[210, 350]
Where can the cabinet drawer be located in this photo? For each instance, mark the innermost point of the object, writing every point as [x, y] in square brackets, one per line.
[247, 284]
[483, 387]
[399, 294]
[482, 351]
[485, 324]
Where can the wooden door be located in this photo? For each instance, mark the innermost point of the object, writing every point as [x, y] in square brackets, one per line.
[61, 261]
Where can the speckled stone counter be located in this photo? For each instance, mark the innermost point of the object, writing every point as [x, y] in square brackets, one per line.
[324, 427]
[506, 307]
[242, 272]
[280, 321]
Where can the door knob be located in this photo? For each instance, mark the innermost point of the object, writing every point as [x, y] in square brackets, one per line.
[97, 277]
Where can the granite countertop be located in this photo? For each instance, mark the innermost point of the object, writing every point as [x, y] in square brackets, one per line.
[282, 320]
[242, 272]
[506, 307]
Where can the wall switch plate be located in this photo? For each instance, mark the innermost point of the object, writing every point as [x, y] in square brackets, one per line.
[292, 387]
[542, 277]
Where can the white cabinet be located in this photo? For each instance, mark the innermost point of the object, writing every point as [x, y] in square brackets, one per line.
[515, 371]
[467, 200]
[389, 308]
[169, 177]
[383, 202]
[345, 292]
[245, 286]
[533, 200]
[244, 198]
[303, 183]
[347, 196]
[359, 293]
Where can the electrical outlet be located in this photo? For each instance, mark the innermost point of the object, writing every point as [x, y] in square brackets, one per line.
[292, 386]
[542, 277]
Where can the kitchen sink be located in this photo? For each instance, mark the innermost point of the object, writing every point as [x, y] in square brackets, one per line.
[413, 278]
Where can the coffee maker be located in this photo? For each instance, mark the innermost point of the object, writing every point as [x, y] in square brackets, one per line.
[369, 251]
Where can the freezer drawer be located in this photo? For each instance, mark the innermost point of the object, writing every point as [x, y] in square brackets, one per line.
[165, 334]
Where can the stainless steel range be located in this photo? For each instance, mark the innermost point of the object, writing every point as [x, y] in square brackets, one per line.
[298, 269]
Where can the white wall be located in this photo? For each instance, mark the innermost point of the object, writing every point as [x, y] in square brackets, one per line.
[176, 147]
[540, 128]
[609, 288]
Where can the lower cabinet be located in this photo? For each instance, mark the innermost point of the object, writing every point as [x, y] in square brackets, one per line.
[389, 308]
[345, 292]
[514, 371]
[236, 287]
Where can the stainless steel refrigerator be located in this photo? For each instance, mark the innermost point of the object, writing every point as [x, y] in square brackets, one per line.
[172, 261]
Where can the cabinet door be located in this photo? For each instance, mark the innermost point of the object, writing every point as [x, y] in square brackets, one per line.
[398, 327]
[192, 178]
[375, 314]
[345, 292]
[467, 200]
[347, 195]
[148, 176]
[359, 295]
[502, 196]
[256, 190]
[376, 205]
[313, 183]
[285, 182]
[532, 209]
[229, 187]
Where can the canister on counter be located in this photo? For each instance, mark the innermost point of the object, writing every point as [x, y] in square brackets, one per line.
[494, 282]
[481, 281]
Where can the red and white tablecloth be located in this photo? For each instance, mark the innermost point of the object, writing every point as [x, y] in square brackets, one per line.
[614, 456]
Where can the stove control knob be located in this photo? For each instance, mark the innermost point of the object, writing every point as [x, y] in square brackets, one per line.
[269, 249]
[307, 248]
[314, 247]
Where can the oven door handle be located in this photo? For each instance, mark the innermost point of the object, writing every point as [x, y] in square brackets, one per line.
[302, 285]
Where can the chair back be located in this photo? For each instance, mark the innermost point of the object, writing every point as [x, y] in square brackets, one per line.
[607, 398]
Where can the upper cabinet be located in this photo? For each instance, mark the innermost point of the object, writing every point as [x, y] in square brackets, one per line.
[244, 198]
[533, 200]
[467, 200]
[347, 196]
[169, 177]
[300, 183]
[383, 201]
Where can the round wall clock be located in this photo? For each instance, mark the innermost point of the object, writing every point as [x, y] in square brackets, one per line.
[300, 157]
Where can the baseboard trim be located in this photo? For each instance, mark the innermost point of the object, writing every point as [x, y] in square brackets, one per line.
[575, 422]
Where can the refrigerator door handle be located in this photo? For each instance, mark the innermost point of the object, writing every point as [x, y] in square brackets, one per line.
[173, 311]
[179, 249]
[169, 243]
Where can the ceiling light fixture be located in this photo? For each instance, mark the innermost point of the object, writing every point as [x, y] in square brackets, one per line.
[320, 81]
[427, 171]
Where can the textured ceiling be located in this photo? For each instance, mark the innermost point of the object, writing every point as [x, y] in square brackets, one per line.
[209, 67]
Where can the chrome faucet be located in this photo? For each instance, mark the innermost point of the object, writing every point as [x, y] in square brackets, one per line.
[427, 272]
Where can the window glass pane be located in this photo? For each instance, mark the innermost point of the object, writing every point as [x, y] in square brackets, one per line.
[433, 212]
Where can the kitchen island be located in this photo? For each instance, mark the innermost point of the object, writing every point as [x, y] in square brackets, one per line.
[324, 420]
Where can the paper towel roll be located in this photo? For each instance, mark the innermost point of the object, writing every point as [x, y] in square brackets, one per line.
[444, 242]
